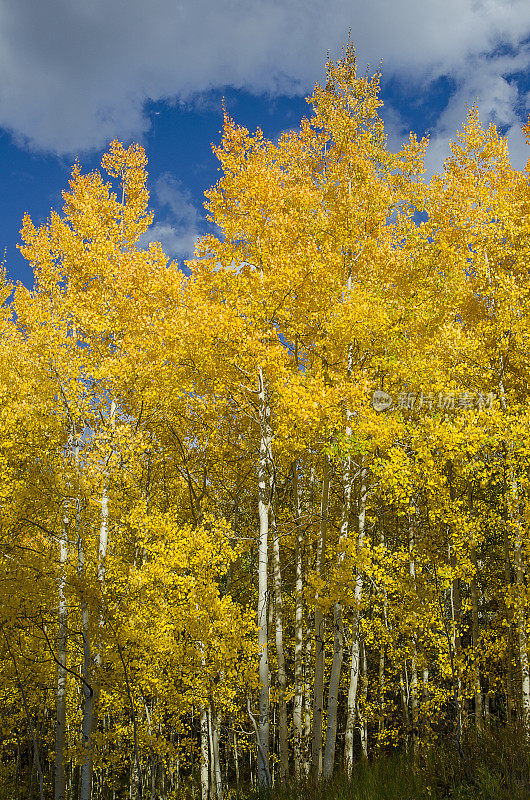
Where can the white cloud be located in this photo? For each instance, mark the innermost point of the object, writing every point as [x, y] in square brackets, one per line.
[176, 243]
[76, 74]
[179, 227]
[491, 84]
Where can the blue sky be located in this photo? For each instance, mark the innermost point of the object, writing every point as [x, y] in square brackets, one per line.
[76, 75]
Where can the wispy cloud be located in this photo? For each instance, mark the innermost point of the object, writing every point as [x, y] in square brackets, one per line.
[180, 221]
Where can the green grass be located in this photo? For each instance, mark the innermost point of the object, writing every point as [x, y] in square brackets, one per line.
[499, 763]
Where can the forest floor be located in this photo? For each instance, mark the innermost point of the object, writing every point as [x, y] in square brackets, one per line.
[498, 765]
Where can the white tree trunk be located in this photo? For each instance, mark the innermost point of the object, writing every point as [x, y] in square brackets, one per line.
[414, 708]
[355, 646]
[404, 702]
[205, 755]
[479, 722]
[521, 616]
[213, 785]
[92, 669]
[361, 716]
[298, 634]
[60, 726]
[264, 467]
[282, 677]
[236, 760]
[306, 764]
[333, 695]
[318, 684]
[218, 783]
[88, 708]
[309, 646]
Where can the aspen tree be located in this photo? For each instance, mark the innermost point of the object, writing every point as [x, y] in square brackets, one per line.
[355, 645]
[298, 630]
[319, 634]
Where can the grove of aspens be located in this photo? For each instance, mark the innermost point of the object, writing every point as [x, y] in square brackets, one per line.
[264, 521]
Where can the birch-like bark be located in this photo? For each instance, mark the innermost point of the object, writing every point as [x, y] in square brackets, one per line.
[475, 629]
[282, 677]
[333, 695]
[521, 616]
[263, 512]
[363, 722]
[318, 683]
[218, 783]
[236, 760]
[425, 683]
[404, 701]
[298, 633]
[414, 708]
[382, 658]
[355, 645]
[88, 693]
[509, 637]
[381, 692]
[306, 764]
[306, 744]
[62, 641]
[91, 702]
[205, 751]
[456, 610]
[212, 756]
[519, 568]
[475, 641]
[336, 666]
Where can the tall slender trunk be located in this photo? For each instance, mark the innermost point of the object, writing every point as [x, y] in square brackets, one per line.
[521, 616]
[361, 715]
[205, 752]
[62, 641]
[213, 784]
[309, 647]
[333, 695]
[93, 669]
[91, 702]
[236, 760]
[513, 515]
[264, 468]
[88, 692]
[306, 765]
[479, 722]
[298, 633]
[414, 708]
[318, 683]
[355, 645]
[404, 702]
[508, 581]
[456, 614]
[475, 641]
[218, 783]
[282, 677]
[153, 763]
[382, 656]
[456, 609]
